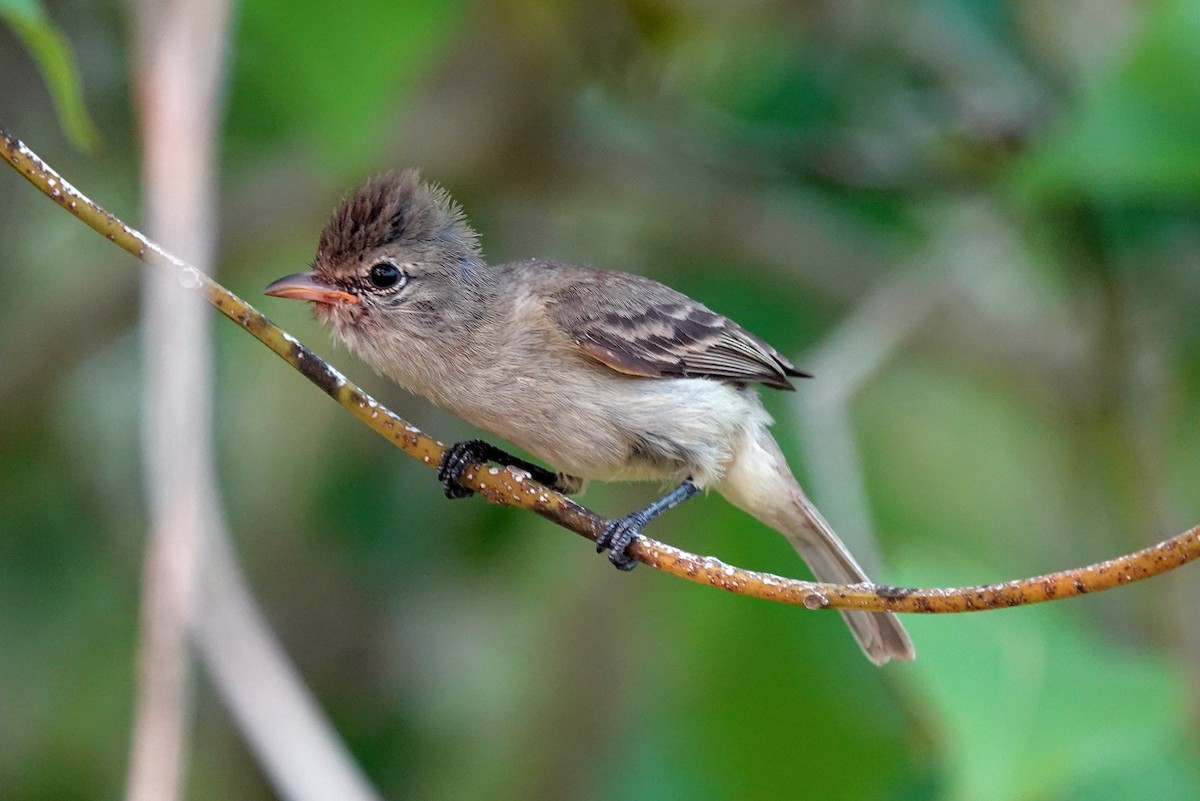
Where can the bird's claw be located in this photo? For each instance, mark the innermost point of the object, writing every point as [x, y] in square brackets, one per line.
[616, 539]
[454, 462]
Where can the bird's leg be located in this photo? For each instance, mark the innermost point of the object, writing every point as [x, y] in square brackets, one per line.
[621, 532]
[461, 455]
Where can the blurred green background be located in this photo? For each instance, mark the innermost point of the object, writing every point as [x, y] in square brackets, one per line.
[1002, 198]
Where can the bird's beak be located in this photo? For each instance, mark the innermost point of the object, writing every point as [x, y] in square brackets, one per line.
[306, 286]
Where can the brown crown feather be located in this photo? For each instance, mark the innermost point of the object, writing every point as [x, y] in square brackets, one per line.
[397, 208]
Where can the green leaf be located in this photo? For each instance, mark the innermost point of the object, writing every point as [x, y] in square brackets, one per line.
[54, 58]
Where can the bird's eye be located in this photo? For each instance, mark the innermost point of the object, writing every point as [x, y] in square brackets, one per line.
[384, 275]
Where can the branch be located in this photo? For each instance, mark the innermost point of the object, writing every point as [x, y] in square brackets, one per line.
[512, 487]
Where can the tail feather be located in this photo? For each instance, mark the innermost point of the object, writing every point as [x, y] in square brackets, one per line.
[759, 481]
[880, 634]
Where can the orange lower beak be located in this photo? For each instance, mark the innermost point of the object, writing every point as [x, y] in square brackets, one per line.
[306, 286]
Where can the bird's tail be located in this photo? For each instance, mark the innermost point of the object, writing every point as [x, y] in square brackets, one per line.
[759, 482]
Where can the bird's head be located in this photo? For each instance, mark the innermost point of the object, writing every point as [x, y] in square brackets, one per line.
[393, 254]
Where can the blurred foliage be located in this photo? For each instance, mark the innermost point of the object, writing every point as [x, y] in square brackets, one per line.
[333, 95]
[1032, 164]
[1133, 136]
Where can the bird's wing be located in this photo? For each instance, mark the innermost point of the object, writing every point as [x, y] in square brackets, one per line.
[640, 327]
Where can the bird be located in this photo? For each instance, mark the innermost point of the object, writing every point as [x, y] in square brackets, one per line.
[601, 374]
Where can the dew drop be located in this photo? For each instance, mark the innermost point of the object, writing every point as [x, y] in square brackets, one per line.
[189, 278]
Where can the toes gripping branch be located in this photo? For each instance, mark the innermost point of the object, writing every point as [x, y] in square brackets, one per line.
[622, 531]
[461, 455]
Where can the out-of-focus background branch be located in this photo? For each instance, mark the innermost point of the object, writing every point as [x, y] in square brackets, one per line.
[177, 79]
[980, 220]
[191, 579]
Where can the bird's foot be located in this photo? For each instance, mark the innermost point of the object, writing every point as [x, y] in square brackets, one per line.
[616, 539]
[461, 455]
[455, 461]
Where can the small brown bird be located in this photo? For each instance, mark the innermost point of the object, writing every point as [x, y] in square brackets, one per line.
[601, 374]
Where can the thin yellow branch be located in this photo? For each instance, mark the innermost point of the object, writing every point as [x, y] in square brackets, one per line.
[512, 487]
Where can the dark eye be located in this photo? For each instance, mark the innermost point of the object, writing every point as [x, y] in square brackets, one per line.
[384, 275]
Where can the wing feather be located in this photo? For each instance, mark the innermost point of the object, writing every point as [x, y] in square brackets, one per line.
[654, 331]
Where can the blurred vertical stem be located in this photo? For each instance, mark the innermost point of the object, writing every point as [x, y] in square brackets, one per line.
[191, 576]
[177, 69]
